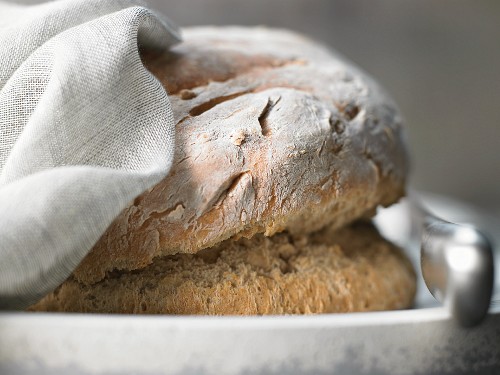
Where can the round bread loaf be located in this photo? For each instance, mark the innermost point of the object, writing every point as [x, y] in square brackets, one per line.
[274, 132]
[351, 269]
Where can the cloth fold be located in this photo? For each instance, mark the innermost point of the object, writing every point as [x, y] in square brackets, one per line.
[84, 128]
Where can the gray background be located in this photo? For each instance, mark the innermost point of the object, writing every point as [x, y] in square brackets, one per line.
[439, 60]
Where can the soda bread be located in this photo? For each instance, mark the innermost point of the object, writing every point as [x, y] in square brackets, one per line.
[274, 133]
[351, 269]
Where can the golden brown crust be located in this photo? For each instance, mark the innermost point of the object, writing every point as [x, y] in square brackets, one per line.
[274, 132]
[352, 269]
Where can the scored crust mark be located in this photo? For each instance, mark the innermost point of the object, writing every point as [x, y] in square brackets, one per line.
[212, 102]
[271, 102]
[228, 188]
[200, 109]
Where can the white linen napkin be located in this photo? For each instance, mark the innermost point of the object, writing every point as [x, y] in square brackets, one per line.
[84, 128]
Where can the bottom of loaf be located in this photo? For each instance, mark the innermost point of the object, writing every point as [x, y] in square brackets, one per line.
[347, 270]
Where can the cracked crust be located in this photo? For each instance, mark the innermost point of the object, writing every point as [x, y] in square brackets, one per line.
[352, 269]
[274, 132]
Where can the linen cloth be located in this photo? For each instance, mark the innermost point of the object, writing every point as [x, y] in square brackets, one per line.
[84, 128]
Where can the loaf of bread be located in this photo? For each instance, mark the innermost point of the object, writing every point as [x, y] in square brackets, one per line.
[275, 133]
[351, 269]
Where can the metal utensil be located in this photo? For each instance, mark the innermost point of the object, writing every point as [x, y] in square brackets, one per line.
[457, 265]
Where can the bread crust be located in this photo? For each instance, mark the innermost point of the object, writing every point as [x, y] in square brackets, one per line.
[351, 269]
[274, 132]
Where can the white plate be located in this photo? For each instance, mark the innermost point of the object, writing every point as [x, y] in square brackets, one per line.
[420, 341]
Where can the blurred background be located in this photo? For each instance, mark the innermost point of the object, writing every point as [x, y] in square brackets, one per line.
[439, 60]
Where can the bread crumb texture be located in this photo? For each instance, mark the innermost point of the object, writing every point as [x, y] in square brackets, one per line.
[330, 271]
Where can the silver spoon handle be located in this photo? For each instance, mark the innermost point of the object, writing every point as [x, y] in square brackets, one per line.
[457, 265]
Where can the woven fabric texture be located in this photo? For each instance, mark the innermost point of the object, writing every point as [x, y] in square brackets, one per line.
[84, 128]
